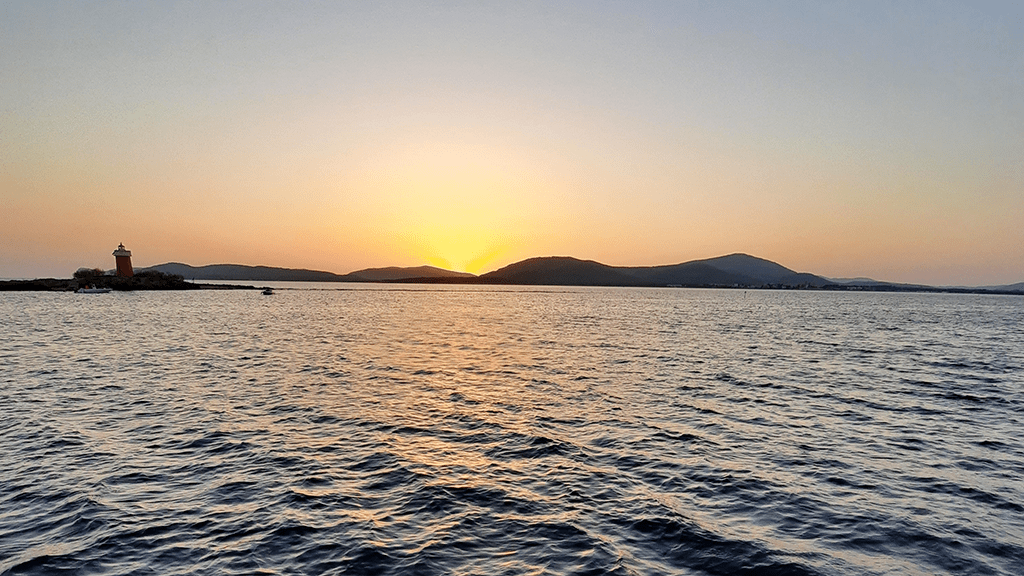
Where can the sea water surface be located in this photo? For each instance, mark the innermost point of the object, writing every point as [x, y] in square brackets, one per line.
[488, 430]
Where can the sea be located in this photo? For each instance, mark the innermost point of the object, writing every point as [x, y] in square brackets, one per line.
[488, 430]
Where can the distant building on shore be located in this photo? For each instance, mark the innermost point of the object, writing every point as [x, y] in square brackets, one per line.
[124, 261]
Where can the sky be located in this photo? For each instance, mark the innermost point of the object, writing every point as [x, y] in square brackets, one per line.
[847, 139]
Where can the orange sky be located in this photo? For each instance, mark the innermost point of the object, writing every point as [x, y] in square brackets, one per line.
[844, 141]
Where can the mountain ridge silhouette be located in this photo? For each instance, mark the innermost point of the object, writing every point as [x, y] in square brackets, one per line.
[730, 270]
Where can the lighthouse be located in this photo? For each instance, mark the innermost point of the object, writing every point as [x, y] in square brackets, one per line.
[124, 261]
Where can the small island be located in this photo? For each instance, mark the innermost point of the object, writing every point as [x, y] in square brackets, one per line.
[148, 280]
[122, 279]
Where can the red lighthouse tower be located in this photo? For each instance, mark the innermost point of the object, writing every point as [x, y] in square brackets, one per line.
[124, 261]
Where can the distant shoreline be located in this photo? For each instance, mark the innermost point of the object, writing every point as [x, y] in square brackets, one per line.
[126, 285]
[115, 283]
[825, 288]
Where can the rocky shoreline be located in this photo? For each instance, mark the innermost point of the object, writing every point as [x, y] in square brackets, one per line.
[141, 281]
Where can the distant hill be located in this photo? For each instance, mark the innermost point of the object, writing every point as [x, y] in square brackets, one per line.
[242, 272]
[562, 271]
[734, 270]
[859, 281]
[272, 274]
[870, 283]
[1018, 287]
[393, 273]
[731, 270]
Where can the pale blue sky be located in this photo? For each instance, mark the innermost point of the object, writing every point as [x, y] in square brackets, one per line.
[847, 138]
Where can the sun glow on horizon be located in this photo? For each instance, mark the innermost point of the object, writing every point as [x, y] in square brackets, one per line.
[460, 202]
[459, 250]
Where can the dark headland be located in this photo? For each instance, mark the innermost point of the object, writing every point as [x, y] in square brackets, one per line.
[144, 280]
[732, 271]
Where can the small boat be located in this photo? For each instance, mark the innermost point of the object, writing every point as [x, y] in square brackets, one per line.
[268, 291]
[93, 290]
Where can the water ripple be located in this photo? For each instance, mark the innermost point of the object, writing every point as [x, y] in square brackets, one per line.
[455, 430]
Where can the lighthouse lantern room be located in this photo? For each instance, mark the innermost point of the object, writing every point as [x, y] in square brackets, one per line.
[124, 261]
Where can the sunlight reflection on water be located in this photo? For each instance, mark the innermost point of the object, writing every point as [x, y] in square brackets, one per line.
[481, 429]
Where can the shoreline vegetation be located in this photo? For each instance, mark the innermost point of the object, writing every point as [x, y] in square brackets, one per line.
[146, 280]
[735, 271]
